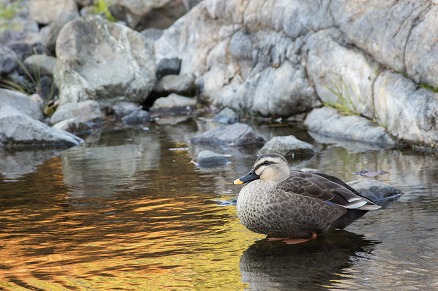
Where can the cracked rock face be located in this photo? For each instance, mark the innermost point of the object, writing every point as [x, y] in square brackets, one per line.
[280, 58]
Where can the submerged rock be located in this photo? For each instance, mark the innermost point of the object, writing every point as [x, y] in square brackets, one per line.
[237, 134]
[209, 159]
[367, 173]
[18, 130]
[380, 193]
[287, 146]
[137, 117]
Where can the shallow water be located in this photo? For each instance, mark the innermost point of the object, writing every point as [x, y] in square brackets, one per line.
[129, 211]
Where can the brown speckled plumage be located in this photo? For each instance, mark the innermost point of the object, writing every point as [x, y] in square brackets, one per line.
[283, 203]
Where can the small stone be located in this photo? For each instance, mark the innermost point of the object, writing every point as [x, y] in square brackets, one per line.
[40, 65]
[123, 109]
[237, 134]
[209, 159]
[174, 102]
[287, 146]
[86, 111]
[137, 117]
[380, 193]
[226, 116]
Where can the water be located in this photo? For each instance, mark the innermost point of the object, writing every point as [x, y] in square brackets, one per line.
[128, 211]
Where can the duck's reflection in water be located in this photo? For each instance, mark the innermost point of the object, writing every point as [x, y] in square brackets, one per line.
[315, 265]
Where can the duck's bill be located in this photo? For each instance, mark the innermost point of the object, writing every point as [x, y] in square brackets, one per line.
[247, 178]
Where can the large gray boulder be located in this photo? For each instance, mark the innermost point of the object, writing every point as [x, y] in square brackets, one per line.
[22, 103]
[407, 111]
[18, 130]
[102, 61]
[141, 14]
[46, 11]
[327, 121]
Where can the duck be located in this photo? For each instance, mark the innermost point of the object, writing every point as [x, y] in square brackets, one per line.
[295, 206]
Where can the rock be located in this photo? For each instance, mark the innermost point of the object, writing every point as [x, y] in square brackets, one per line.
[342, 76]
[46, 11]
[23, 44]
[15, 17]
[237, 134]
[143, 14]
[407, 112]
[226, 116]
[18, 130]
[209, 159]
[86, 111]
[83, 3]
[102, 61]
[22, 103]
[152, 34]
[123, 109]
[49, 40]
[40, 65]
[174, 102]
[287, 146]
[137, 117]
[380, 193]
[168, 67]
[327, 121]
[8, 60]
[179, 84]
[421, 53]
[46, 88]
[74, 126]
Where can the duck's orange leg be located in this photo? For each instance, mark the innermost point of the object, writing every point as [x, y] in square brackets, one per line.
[292, 240]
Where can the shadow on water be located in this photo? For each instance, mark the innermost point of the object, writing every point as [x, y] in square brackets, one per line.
[268, 265]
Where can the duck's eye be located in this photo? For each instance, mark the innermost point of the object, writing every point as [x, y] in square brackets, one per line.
[266, 163]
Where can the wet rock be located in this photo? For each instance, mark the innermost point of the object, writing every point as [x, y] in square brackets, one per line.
[49, 39]
[408, 112]
[143, 14]
[8, 60]
[46, 11]
[226, 116]
[237, 134]
[166, 67]
[179, 84]
[21, 102]
[327, 121]
[287, 146]
[123, 109]
[86, 111]
[174, 102]
[18, 130]
[209, 159]
[40, 65]
[102, 61]
[380, 193]
[137, 117]
[74, 126]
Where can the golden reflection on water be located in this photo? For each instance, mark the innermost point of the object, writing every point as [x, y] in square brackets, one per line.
[130, 214]
[152, 241]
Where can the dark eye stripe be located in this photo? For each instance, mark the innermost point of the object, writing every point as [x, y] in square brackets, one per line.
[265, 163]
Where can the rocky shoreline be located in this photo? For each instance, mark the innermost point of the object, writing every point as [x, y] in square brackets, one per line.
[354, 71]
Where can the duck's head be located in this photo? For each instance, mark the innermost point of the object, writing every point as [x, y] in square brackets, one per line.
[268, 167]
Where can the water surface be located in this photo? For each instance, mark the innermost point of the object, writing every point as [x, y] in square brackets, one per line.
[129, 211]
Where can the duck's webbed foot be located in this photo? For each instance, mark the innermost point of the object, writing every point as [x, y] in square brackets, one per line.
[293, 240]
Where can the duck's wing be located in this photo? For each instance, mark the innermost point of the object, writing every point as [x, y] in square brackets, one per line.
[332, 190]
